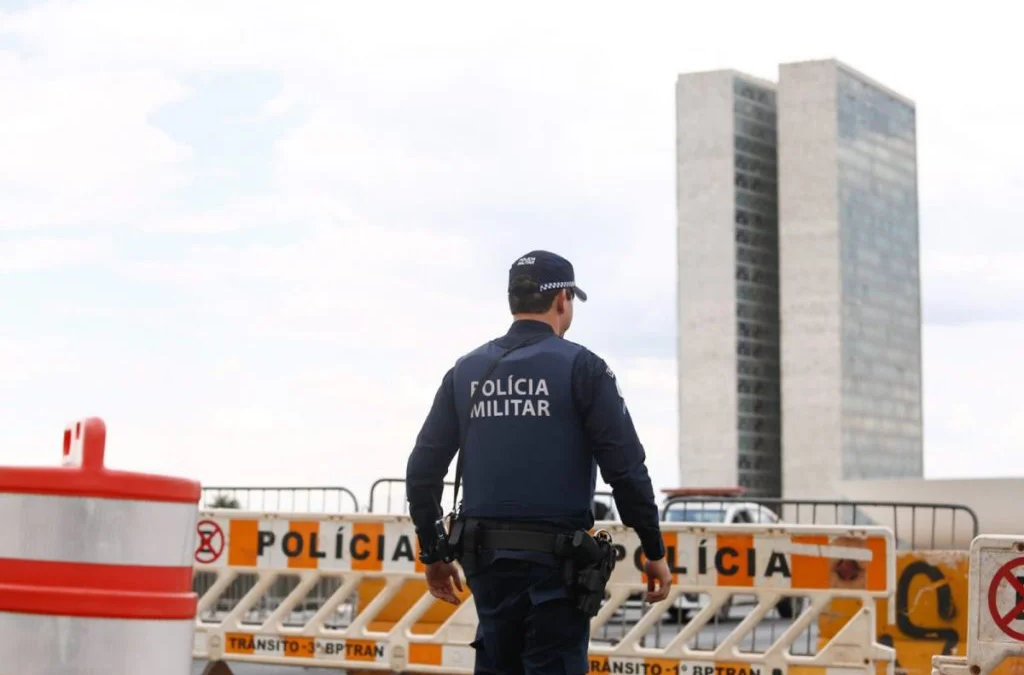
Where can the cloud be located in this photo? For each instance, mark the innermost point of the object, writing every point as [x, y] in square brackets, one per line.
[356, 285]
[77, 148]
[25, 254]
[971, 410]
[974, 288]
[23, 362]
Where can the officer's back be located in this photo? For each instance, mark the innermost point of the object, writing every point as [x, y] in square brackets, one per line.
[526, 454]
[535, 416]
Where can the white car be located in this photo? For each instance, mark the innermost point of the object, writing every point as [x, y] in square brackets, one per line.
[699, 510]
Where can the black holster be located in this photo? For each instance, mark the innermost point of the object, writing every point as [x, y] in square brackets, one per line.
[587, 561]
[592, 561]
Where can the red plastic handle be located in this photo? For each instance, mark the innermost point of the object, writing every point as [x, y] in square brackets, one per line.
[84, 444]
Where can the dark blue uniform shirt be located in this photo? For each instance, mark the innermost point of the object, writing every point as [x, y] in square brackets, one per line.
[606, 426]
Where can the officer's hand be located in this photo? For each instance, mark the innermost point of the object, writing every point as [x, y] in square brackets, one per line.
[440, 576]
[657, 571]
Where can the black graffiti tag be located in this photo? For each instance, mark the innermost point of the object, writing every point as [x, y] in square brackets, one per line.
[947, 610]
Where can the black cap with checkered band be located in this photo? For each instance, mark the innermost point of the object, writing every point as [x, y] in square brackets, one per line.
[549, 270]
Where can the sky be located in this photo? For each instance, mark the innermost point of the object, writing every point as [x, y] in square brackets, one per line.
[252, 236]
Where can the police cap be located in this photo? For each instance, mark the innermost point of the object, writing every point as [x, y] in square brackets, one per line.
[548, 270]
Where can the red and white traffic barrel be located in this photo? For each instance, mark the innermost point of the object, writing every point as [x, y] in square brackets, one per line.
[95, 566]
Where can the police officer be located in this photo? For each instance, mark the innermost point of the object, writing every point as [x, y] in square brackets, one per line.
[535, 416]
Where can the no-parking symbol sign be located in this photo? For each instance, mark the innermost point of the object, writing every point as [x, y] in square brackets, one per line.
[211, 542]
[1006, 597]
[997, 591]
[995, 617]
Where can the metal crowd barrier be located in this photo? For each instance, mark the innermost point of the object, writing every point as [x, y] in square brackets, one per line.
[348, 592]
[393, 490]
[915, 525]
[305, 499]
[387, 495]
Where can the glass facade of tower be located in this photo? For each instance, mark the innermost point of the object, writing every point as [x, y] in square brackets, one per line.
[757, 289]
[881, 337]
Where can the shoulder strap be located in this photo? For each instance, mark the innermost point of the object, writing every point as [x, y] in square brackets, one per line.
[472, 401]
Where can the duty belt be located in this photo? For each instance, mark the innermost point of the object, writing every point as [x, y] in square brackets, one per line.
[524, 537]
[523, 540]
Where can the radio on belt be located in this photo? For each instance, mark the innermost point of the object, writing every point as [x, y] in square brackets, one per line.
[95, 565]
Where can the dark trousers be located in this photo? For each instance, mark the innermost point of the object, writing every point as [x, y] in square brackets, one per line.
[528, 624]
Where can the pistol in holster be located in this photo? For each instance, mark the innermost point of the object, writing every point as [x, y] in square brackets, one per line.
[589, 563]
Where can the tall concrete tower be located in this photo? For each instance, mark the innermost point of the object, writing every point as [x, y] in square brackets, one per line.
[849, 269]
[728, 290]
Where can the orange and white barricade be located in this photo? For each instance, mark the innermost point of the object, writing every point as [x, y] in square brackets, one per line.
[347, 592]
[95, 566]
